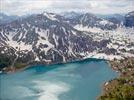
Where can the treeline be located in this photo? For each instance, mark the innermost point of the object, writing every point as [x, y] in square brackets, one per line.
[5, 61]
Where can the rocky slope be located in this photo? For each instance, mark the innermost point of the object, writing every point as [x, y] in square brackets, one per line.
[50, 38]
[90, 20]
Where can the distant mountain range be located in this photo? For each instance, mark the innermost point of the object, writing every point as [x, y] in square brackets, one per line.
[6, 18]
[51, 38]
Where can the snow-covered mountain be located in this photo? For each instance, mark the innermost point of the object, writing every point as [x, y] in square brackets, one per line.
[51, 38]
[45, 38]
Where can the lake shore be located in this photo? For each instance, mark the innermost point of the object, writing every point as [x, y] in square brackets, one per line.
[123, 86]
[23, 66]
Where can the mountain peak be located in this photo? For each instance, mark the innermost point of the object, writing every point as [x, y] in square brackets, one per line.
[51, 16]
[130, 14]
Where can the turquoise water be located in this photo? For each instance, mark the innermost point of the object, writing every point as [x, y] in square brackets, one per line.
[73, 81]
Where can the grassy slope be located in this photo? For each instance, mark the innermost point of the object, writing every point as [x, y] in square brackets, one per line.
[121, 88]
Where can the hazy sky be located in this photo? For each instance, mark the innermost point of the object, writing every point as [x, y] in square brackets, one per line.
[23, 7]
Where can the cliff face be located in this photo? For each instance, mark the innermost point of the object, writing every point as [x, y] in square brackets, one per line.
[129, 19]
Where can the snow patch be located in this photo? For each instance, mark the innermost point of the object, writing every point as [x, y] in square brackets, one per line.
[102, 56]
[88, 29]
[105, 22]
[50, 16]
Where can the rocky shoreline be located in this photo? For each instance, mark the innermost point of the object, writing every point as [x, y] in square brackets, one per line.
[122, 87]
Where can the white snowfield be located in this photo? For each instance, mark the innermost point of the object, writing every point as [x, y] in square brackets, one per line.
[120, 39]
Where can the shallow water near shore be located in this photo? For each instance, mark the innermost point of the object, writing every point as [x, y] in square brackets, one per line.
[80, 80]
